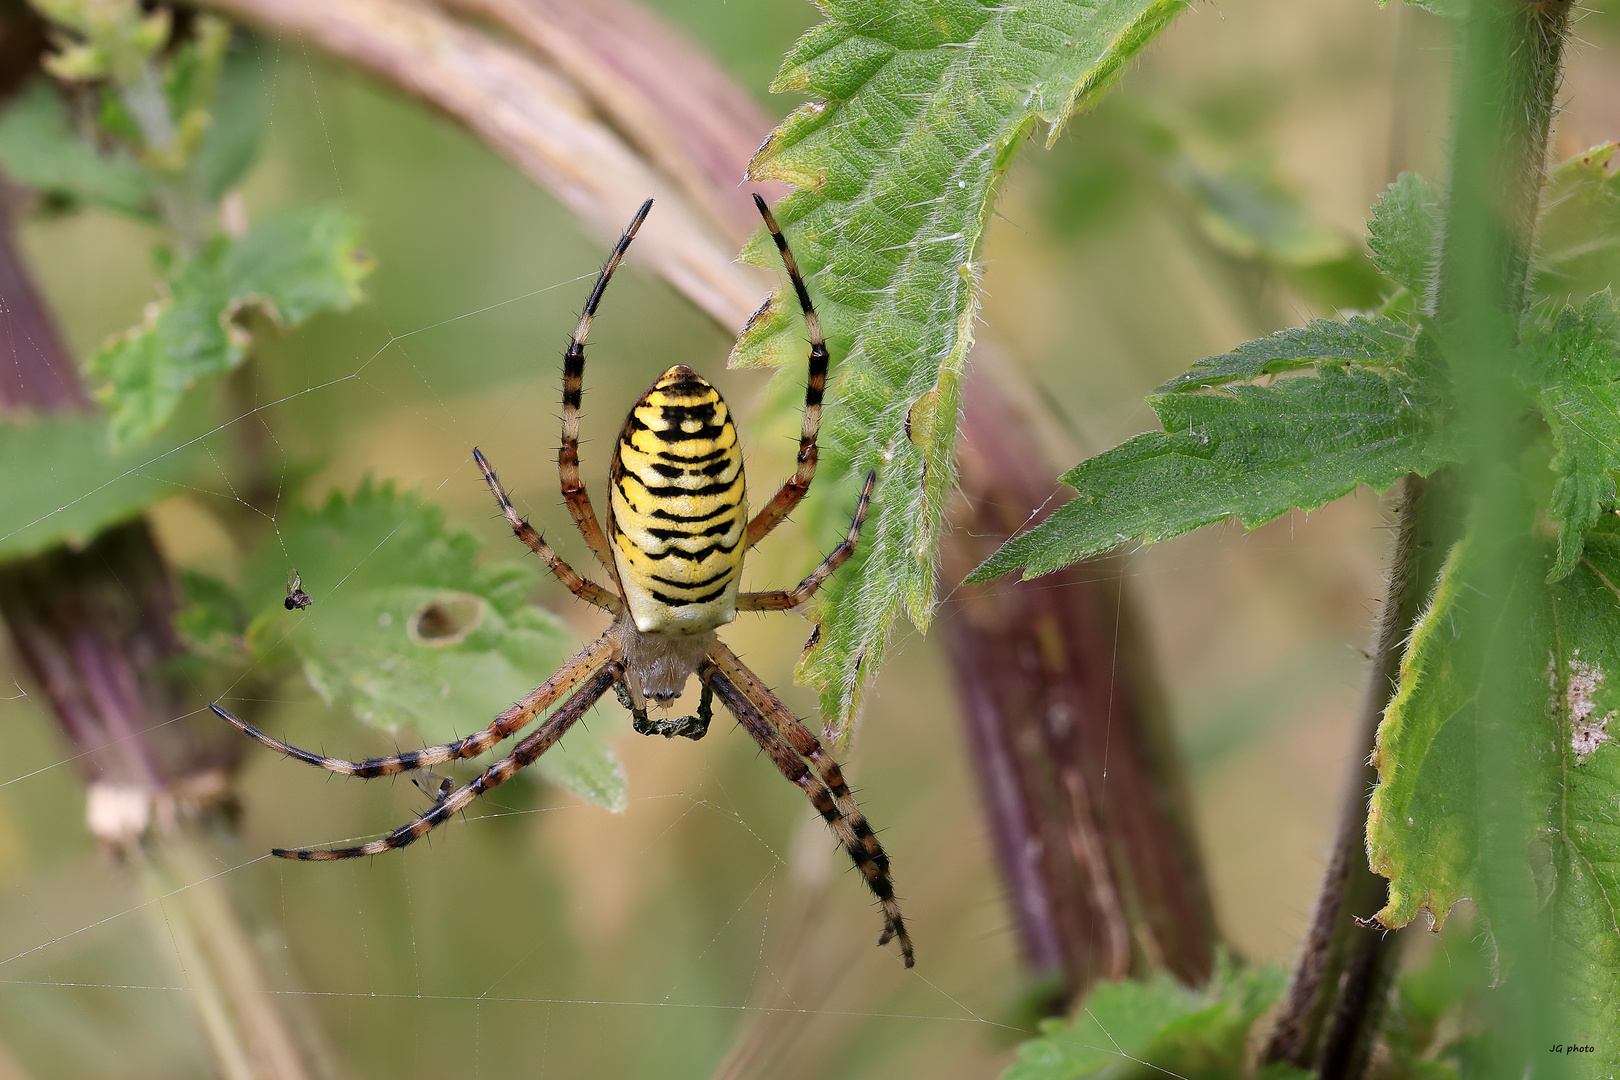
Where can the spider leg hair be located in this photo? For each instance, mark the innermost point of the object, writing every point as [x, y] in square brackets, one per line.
[799, 483]
[751, 703]
[525, 753]
[587, 590]
[787, 599]
[580, 668]
[573, 489]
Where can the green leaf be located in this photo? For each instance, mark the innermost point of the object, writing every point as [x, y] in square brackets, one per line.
[404, 629]
[65, 483]
[1404, 233]
[39, 148]
[290, 266]
[1423, 820]
[1423, 825]
[921, 105]
[1457, 971]
[1127, 1028]
[1118, 1022]
[1578, 248]
[1585, 829]
[1251, 452]
[212, 621]
[1575, 359]
[1360, 339]
[235, 126]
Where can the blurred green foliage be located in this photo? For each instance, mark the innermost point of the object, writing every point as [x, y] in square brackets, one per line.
[1475, 764]
[546, 937]
[1157, 1027]
[289, 266]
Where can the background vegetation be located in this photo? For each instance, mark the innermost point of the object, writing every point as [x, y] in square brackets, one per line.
[1217, 195]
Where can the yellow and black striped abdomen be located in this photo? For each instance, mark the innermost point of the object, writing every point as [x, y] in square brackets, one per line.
[679, 507]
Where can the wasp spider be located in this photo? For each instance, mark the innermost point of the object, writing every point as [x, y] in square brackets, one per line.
[677, 528]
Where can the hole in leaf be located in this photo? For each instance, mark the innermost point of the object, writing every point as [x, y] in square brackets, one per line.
[447, 619]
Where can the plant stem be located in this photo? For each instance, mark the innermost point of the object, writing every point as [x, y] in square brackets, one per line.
[1507, 83]
[1508, 76]
[93, 626]
[1081, 779]
[1333, 1007]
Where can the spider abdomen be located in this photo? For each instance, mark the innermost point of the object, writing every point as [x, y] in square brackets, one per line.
[679, 507]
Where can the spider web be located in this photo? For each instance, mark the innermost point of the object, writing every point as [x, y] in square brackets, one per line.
[702, 929]
[713, 928]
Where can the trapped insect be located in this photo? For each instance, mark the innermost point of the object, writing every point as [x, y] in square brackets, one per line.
[297, 598]
[677, 529]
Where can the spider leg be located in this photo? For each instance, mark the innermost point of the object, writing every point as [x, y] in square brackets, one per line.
[573, 490]
[750, 702]
[586, 590]
[525, 753]
[799, 483]
[786, 599]
[581, 667]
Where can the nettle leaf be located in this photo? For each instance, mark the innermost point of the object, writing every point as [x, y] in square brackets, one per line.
[40, 149]
[1250, 452]
[236, 123]
[290, 266]
[212, 621]
[1575, 359]
[1585, 830]
[1578, 242]
[1369, 340]
[405, 629]
[921, 105]
[1403, 233]
[1424, 820]
[1126, 1025]
[64, 482]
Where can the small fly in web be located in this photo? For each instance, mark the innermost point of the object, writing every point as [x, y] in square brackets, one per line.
[677, 529]
[297, 598]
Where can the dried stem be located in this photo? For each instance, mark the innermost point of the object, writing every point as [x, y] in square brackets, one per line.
[664, 94]
[94, 628]
[36, 373]
[1080, 775]
[530, 115]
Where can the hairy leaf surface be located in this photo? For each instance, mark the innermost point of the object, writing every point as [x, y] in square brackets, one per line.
[1404, 233]
[1585, 829]
[1578, 241]
[1375, 341]
[920, 106]
[290, 266]
[1423, 830]
[1575, 359]
[1249, 452]
[404, 629]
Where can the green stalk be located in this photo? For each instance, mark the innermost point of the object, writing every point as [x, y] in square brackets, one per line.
[1511, 57]
[1508, 78]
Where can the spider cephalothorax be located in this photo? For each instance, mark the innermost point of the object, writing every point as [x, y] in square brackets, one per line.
[677, 529]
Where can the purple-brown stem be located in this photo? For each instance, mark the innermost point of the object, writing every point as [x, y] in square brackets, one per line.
[1081, 779]
[1336, 998]
[36, 373]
